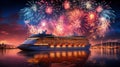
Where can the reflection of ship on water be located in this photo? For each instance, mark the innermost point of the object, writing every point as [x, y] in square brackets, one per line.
[57, 58]
[50, 42]
[108, 45]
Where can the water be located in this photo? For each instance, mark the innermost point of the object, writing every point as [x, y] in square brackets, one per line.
[75, 58]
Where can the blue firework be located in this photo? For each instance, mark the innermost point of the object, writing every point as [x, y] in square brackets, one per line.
[108, 14]
[31, 14]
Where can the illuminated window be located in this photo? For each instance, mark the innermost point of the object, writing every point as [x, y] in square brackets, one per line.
[58, 46]
[69, 46]
[75, 45]
[83, 45]
[52, 46]
[63, 46]
[79, 46]
[42, 44]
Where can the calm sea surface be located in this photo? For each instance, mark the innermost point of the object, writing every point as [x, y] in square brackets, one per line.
[74, 58]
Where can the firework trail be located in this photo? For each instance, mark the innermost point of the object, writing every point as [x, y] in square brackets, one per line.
[68, 17]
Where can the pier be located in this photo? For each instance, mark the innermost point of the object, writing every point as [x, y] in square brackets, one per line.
[107, 45]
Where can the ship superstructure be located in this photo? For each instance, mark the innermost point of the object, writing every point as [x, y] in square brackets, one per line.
[45, 41]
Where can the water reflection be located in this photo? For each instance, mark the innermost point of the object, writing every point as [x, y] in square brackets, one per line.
[104, 58]
[10, 58]
[57, 58]
[75, 58]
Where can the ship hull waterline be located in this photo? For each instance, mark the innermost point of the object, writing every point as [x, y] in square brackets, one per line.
[34, 48]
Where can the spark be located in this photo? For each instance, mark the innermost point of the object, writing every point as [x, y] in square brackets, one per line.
[88, 5]
[66, 4]
[103, 26]
[43, 23]
[34, 7]
[91, 16]
[99, 9]
[49, 10]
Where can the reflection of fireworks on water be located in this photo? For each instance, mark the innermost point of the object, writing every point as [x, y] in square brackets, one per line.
[68, 17]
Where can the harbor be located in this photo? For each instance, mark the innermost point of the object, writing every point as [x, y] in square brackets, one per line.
[6, 46]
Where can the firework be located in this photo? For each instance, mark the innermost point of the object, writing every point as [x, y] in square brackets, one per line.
[66, 4]
[103, 26]
[68, 17]
[30, 13]
[88, 5]
[48, 10]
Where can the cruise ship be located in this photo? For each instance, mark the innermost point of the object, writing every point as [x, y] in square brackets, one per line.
[43, 42]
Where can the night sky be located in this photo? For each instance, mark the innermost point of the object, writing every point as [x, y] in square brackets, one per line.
[14, 31]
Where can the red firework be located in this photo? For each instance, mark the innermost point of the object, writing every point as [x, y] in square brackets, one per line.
[91, 17]
[66, 4]
[49, 10]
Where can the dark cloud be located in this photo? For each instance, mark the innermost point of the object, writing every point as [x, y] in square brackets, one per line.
[11, 31]
[12, 18]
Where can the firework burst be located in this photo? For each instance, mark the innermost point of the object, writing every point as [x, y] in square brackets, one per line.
[68, 17]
